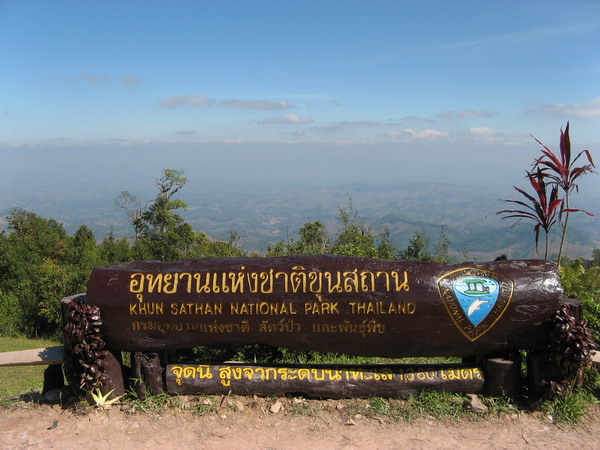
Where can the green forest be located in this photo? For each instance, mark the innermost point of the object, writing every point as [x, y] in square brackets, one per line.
[40, 263]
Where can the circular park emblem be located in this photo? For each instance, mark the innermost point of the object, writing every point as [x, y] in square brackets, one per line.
[475, 299]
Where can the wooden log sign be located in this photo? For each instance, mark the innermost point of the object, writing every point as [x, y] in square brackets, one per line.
[331, 381]
[328, 303]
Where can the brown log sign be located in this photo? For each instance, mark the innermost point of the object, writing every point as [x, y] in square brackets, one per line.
[322, 380]
[328, 303]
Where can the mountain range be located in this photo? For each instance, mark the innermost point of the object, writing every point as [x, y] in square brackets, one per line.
[262, 215]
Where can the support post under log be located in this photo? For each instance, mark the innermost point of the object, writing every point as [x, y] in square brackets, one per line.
[503, 376]
[147, 372]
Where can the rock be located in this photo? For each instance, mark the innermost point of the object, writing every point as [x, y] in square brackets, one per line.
[339, 406]
[206, 401]
[184, 401]
[350, 423]
[297, 401]
[475, 404]
[239, 406]
[276, 407]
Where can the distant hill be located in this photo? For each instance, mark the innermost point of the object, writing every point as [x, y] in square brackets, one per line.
[263, 215]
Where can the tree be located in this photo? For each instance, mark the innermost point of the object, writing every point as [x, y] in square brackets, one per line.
[83, 256]
[561, 170]
[133, 209]
[164, 234]
[113, 250]
[354, 238]
[35, 256]
[417, 248]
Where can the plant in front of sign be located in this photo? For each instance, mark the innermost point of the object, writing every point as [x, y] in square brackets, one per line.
[561, 170]
[573, 348]
[102, 401]
[543, 207]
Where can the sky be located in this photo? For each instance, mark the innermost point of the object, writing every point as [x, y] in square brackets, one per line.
[108, 93]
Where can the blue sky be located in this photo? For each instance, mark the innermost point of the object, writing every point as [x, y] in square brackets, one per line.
[375, 91]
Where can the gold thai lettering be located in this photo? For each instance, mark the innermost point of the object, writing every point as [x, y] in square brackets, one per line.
[367, 281]
[229, 373]
[170, 281]
[225, 375]
[315, 282]
[337, 287]
[283, 325]
[266, 283]
[297, 280]
[401, 284]
[351, 281]
[154, 282]
[136, 284]
[237, 281]
[188, 286]
[367, 326]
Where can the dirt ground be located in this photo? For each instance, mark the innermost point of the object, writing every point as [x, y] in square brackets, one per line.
[248, 422]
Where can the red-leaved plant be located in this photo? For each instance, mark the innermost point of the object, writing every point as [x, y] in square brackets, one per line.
[561, 171]
[543, 210]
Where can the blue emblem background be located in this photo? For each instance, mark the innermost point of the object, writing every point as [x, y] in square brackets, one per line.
[476, 296]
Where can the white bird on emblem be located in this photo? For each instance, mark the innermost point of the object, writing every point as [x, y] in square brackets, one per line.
[476, 305]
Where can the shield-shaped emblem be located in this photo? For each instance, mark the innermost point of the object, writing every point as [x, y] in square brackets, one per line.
[475, 299]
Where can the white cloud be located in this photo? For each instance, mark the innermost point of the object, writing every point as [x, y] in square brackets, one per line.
[292, 118]
[258, 104]
[409, 133]
[584, 110]
[467, 114]
[483, 131]
[185, 100]
[130, 80]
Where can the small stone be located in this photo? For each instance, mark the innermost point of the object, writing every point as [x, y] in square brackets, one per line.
[350, 423]
[297, 401]
[276, 407]
[206, 401]
[475, 404]
[239, 406]
[223, 416]
[357, 416]
[339, 406]
[184, 401]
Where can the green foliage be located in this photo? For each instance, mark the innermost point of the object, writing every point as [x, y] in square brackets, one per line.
[11, 314]
[113, 250]
[440, 405]
[354, 238]
[149, 404]
[570, 408]
[418, 248]
[584, 285]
